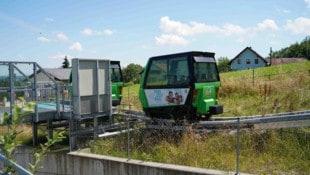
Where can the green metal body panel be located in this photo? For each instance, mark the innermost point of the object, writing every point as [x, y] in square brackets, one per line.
[206, 96]
[142, 96]
[116, 94]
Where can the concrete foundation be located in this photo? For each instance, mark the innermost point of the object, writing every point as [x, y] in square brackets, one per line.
[85, 163]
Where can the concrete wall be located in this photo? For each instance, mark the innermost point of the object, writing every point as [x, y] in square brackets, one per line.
[81, 162]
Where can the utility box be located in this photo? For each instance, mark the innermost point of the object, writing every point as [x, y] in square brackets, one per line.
[91, 88]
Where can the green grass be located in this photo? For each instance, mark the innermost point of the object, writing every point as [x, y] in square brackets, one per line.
[131, 97]
[275, 89]
[270, 152]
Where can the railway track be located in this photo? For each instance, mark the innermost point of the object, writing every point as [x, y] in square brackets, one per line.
[270, 121]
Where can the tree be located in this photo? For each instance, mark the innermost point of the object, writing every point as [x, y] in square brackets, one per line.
[66, 63]
[131, 73]
[298, 50]
[223, 64]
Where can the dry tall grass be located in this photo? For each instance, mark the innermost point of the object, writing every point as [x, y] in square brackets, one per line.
[278, 93]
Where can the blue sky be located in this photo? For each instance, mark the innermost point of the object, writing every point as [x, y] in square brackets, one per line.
[46, 31]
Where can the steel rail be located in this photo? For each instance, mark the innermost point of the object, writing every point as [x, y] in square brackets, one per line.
[229, 122]
[284, 117]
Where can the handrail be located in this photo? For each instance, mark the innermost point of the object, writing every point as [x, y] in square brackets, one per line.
[14, 165]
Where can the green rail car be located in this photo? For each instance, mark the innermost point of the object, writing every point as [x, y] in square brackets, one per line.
[117, 82]
[181, 86]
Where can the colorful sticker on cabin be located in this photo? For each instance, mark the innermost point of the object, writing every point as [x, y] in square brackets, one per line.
[166, 97]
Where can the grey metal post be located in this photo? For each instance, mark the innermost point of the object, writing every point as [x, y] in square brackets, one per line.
[57, 100]
[50, 128]
[12, 98]
[72, 135]
[237, 147]
[128, 134]
[34, 89]
[36, 115]
[35, 126]
[95, 117]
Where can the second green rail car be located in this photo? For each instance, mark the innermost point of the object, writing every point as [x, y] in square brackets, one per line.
[117, 82]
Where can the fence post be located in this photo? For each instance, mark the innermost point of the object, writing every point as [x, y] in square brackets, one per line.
[237, 146]
[128, 128]
[253, 78]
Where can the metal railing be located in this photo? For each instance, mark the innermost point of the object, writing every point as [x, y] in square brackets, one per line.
[15, 166]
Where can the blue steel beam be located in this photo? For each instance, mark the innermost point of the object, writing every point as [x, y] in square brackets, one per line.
[15, 166]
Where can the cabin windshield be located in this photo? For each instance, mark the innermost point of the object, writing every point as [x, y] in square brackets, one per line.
[206, 72]
[168, 72]
[115, 71]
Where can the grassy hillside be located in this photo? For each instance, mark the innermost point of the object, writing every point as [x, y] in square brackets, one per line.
[273, 89]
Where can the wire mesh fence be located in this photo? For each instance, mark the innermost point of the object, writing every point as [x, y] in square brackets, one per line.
[282, 151]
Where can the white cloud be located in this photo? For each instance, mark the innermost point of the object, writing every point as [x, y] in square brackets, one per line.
[232, 29]
[178, 33]
[91, 32]
[308, 3]
[49, 20]
[167, 39]
[300, 25]
[267, 24]
[62, 36]
[76, 47]
[43, 39]
[108, 32]
[175, 31]
[178, 28]
[194, 28]
[87, 31]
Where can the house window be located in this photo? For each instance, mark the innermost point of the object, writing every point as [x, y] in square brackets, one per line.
[248, 61]
[256, 61]
[239, 61]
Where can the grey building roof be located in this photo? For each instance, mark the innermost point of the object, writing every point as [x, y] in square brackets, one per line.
[61, 74]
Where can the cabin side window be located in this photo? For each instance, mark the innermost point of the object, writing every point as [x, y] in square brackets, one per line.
[116, 75]
[206, 72]
[157, 72]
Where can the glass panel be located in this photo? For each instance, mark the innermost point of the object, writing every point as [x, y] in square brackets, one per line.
[157, 75]
[206, 72]
[116, 74]
[168, 72]
[178, 71]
